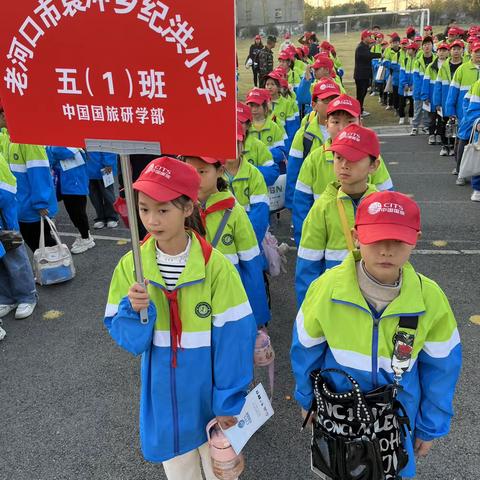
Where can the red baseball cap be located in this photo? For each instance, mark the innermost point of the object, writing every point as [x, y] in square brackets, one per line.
[457, 43]
[394, 34]
[345, 103]
[165, 179]
[325, 88]
[418, 38]
[284, 55]
[404, 41]
[244, 112]
[258, 96]
[388, 216]
[428, 27]
[412, 46]
[322, 61]
[240, 131]
[443, 45]
[355, 142]
[410, 29]
[455, 31]
[475, 47]
[326, 45]
[258, 37]
[380, 35]
[366, 34]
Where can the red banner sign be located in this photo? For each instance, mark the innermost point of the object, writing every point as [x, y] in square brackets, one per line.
[146, 70]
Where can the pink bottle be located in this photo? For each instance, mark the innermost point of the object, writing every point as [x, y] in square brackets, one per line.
[226, 464]
[264, 354]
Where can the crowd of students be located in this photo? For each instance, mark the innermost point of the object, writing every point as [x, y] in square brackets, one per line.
[207, 306]
[33, 180]
[432, 83]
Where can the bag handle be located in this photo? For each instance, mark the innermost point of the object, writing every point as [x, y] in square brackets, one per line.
[474, 130]
[53, 231]
[221, 227]
[346, 229]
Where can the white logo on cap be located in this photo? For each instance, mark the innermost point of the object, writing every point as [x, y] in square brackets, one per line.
[377, 207]
[350, 136]
[323, 86]
[342, 102]
[374, 208]
[159, 170]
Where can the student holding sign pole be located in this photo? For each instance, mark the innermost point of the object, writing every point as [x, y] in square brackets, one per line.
[198, 342]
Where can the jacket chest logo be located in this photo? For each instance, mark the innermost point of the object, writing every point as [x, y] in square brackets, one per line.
[203, 310]
[15, 156]
[227, 239]
[269, 139]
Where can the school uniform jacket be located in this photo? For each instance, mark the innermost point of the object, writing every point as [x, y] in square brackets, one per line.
[273, 136]
[428, 85]
[35, 190]
[316, 173]
[471, 110]
[465, 76]
[239, 244]
[442, 85]
[215, 362]
[250, 190]
[258, 154]
[335, 328]
[419, 69]
[8, 201]
[97, 161]
[406, 75]
[69, 164]
[392, 60]
[317, 136]
[323, 244]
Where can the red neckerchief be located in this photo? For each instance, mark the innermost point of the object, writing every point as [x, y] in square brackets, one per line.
[216, 207]
[172, 298]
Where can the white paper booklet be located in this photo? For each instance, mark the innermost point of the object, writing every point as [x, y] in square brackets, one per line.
[108, 178]
[256, 411]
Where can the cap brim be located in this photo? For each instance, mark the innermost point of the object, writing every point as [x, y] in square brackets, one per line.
[386, 231]
[324, 95]
[351, 154]
[158, 192]
[343, 108]
[255, 100]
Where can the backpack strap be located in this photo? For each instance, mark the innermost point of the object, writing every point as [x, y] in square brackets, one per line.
[221, 227]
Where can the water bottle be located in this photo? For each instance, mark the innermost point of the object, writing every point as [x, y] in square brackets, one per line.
[226, 464]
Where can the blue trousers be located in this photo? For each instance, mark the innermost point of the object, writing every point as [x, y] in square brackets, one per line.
[17, 284]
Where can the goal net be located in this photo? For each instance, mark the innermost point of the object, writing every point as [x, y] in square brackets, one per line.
[386, 20]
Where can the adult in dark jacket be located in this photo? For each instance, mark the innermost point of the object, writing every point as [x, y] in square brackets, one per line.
[363, 66]
[265, 59]
[253, 57]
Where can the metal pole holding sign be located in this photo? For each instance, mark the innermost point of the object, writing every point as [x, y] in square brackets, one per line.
[124, 149]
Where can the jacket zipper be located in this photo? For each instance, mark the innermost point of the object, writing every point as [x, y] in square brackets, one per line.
[376, 321]
[173, 388]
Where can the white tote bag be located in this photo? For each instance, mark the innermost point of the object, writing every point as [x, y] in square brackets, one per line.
[389, 85]
[52, 264]
[470, 165]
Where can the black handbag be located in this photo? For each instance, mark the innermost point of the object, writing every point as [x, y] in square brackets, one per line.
[10, 239]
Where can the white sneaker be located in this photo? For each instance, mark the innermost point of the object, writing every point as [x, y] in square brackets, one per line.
[6, 309]
[455, 171]
[24, 310]
[389, 107]
[451, 151]
[410, 120]
[414, 131]
[3, 333]
[431, 140]
[444, 152]
[438, 139]
[83, 245]
[475, 196]
[365, 113]
[99, 225]
[425, 130]
[373, 93]
[112, 224]
[460, 182]
[401, 121]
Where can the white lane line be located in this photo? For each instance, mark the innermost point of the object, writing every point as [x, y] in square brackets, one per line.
[396, 174]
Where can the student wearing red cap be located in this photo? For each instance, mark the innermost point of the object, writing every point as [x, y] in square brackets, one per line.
[350, 316]
[286, 60]
[254, 151]
[200, 332]
[286, 41]
[252, 58]
[311, 135]
[405, 89]
[391, 60]
[263, 127]
[317, 169]
[324, 242]
[363, 66]
[228, 229]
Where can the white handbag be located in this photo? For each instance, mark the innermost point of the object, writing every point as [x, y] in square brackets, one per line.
[381, 72]
[389, 85]
[470, 164]
[52, 264]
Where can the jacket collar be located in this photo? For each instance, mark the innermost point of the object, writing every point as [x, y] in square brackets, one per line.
[218, 197]
[346, 290]
[194, 271]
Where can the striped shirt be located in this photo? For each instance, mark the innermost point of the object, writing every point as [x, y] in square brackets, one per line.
[172, 266]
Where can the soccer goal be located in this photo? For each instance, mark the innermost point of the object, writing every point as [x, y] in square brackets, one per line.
[419, 17]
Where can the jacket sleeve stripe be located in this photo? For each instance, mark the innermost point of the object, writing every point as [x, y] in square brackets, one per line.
[302, 187]
[233, 257]
[8, 188]
[232, 314]
[310, 254]
[259, 199]
[442, 349]
[304, 338]
[161, 338]
[386, 185]
[337, 255]
[18, 168]
[111, 310]
[38, 163]
[247, 255]
[296, 153]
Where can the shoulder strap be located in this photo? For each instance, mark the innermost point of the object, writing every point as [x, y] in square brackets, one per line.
[221, 227]
[346, 229]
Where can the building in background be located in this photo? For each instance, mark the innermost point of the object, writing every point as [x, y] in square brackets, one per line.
[285, 14]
